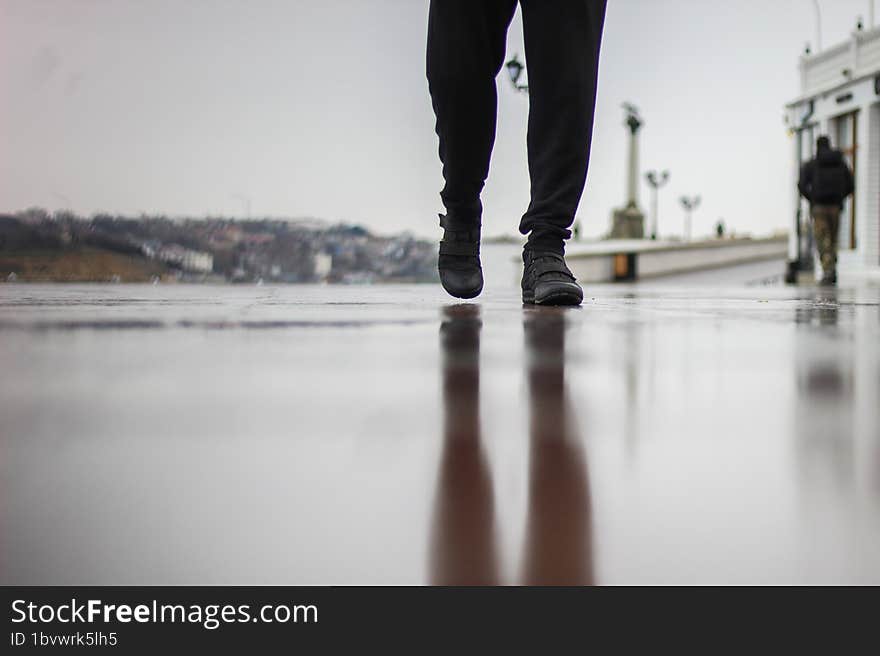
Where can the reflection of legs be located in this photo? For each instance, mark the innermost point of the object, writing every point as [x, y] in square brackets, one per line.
[466, 43]
[826, 222]
[562, 40]
[463, 544]
[558, 540]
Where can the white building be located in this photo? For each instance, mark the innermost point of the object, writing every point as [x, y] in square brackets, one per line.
[187, 259]
[323, 265]
[840, 98]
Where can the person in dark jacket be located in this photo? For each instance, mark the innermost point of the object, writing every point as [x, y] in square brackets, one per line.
[465, 52]
[826, 181]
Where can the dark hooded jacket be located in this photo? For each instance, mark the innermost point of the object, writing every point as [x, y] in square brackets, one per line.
[826, 179]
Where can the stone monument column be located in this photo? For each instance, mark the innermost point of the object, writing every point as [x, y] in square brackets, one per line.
[632, 187]
[629, 222]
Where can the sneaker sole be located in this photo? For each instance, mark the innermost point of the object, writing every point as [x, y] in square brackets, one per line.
[557, 298]
[464, 294]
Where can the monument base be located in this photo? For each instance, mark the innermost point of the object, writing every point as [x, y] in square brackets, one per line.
[628, 223]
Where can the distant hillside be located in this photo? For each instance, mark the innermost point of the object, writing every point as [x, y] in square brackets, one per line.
[40, 252]
[18, 236]
[79, 265]
[37, 245]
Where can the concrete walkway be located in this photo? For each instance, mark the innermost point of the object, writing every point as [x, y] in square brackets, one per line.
[308, 434]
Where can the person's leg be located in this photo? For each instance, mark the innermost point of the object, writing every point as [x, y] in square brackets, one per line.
[562, 39]
[825, 225]
[466, 45]
[834, 220]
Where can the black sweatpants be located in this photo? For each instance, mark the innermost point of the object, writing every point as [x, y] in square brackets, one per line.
[466, 47]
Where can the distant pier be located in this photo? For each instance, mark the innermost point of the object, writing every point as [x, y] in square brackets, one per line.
[616, 260]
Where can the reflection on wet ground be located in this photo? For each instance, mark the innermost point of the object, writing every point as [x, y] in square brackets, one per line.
[557, 542]
[192, 434]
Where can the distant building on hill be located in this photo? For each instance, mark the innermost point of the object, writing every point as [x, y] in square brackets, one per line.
[186, 259]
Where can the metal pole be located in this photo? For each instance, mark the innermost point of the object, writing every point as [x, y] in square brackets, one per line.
[656, 180]
[871, 14]
[689, 203]
[654, 210]
[818, 26]
[798, 228]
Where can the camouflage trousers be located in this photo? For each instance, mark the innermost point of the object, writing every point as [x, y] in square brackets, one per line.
[826, 224]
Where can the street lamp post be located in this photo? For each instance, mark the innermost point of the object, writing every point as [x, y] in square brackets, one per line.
[655, 180]
[689, 203]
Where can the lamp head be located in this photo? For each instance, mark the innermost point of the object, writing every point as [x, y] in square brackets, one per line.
[514, 69]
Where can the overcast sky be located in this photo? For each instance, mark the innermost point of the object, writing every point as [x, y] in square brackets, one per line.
[320, 108]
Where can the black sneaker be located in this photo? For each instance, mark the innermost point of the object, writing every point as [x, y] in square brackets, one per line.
[548, 281]
[459, 261]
